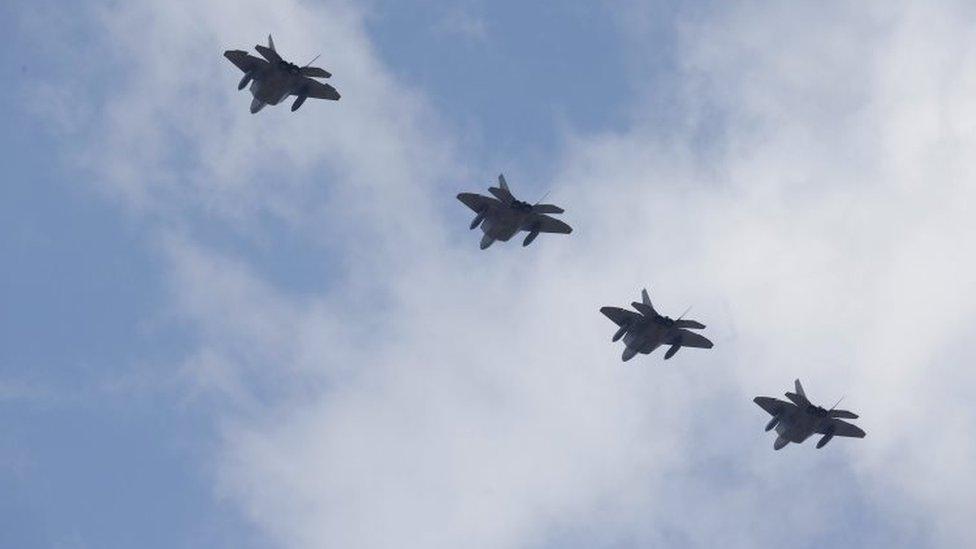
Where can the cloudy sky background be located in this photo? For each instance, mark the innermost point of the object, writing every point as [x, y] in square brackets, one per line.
[235, 330]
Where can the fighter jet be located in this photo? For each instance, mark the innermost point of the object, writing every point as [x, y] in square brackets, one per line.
[273, 79]
[647, 330]
[795, 421]
[503, 216]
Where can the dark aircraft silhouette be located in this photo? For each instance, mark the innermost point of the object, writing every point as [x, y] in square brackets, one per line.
[795, 421]
[502, 216]
[273, 79]
[646, 330]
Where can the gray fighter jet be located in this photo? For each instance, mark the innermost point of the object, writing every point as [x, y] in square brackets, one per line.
[503, 216]
[273, 79]
[795, 421]
[647, 330]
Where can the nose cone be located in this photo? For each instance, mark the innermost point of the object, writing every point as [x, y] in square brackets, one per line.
[256, 105]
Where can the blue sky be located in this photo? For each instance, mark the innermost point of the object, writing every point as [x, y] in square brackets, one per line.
[220, 329]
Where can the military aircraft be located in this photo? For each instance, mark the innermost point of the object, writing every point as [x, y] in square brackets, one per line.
[273, 79]
[646, 330]
[795, 421]
[503, 216]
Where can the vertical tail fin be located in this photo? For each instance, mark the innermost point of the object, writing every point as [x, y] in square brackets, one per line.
[645, 307]
[646, 299]
[501, 182]
[271, 43]
[799, 397]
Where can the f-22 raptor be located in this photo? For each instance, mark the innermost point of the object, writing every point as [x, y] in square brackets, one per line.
[646, 330]
[796, 420]
[501, 215]
[273, 79]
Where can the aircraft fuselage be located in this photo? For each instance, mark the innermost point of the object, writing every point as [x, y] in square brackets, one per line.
[645, 337]
[504, 223]
[271, 86]
[795, 425]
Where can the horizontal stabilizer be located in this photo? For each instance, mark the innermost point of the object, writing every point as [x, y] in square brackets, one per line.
[315, 72]
[842, 429]
[843, 414]
[547, 209]
[689, 324]
[694, 339]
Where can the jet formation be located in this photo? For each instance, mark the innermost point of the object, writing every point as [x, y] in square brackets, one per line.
[273, 79]
[501, 216]
[797, 420]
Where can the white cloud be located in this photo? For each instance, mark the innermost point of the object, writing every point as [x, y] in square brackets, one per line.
[814, 206]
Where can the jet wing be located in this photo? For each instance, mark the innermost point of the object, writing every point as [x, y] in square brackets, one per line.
[691, 339]
[476, 202]
[773, 406]
[318, 90]
[244, 61]
[548, 224]
[619, 316]
[841, 429]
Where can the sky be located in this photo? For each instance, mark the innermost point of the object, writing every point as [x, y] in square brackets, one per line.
[231, 330]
